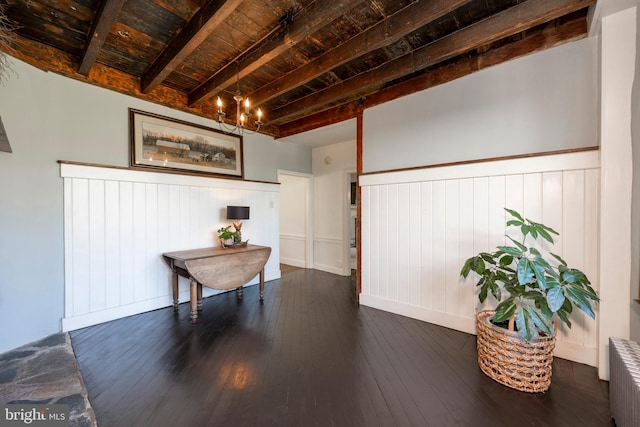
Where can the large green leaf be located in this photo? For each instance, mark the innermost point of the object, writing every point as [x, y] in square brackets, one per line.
[577, 295]
[532, 231]
[591, 294]
[478, 265]
[539, 320]
[539, 271]
[511, 251]
[489, 258]
[555, 298]
[543, 306]
[505, 310]
[578, 276]
[568, 277]
[526, 327]
[538, 259]
[506, 260]
[482, 296]
[466, 268]
[564, 317]
[520, 246]
[495, 290]
[525, 272]
[560, 260]
[515, 214]
[514, 291]
[546, 236]
[540, 226]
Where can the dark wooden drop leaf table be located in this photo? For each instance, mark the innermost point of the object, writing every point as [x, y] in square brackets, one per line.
[217, 268]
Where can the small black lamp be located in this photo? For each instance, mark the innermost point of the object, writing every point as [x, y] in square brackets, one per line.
[238, 213]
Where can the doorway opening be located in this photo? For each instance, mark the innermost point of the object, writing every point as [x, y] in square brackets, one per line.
[296, 219]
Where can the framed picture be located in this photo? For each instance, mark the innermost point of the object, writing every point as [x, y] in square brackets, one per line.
[163, 143]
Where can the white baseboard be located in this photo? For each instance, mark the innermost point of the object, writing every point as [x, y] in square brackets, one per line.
[330, 269]
[436, 317]
[576, 353]
[564, 350]
[293, 262]
[90, 319]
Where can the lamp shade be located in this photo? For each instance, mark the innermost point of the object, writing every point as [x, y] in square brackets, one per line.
[237, 212]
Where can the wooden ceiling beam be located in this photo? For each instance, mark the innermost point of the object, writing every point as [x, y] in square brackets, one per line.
[208, 17]
[323, 13]
[509, 22]
[382, 34]
[105, 17]
[47, 58]
[548, 38]
[324, 118]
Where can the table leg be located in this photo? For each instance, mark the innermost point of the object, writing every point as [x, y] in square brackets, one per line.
[194, 301]
[262, 285]
[199, 296]
[174, 285]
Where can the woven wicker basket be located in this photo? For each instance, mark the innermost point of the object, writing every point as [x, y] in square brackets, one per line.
[510, 360]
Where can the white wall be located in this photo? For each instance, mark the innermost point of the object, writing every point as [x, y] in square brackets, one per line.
[49, 118]
[264, 156]
[542, 102]
[418, 228]
[635, 210]
[618, 52]
[331, 167]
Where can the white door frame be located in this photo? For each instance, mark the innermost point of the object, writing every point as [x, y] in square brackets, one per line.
[308, 238]
[346, 222]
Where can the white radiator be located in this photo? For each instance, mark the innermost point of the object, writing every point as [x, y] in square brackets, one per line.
[624, 382]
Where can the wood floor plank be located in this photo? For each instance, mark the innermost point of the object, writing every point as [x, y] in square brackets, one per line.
[310, 356]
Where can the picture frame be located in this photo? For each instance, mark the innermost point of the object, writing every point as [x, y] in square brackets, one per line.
[171, 145]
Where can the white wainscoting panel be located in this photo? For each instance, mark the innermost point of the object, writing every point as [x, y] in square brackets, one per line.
[293, 250]
[117, 224]
[419, 226]
[327, 254]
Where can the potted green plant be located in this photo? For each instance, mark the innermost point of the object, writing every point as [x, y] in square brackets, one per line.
[228, 237]
[532, 290]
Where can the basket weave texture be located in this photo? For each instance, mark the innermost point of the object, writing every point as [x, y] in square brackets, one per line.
[510, 360]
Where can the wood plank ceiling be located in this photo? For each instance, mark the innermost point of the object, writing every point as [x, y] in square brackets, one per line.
[306, 63]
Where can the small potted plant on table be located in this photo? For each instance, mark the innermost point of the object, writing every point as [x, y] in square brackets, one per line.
[516, 341]
[231, 239]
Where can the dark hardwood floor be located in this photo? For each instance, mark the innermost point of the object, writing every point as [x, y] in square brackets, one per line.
[310, 356]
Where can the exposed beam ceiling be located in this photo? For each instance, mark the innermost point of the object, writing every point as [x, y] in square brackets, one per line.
[307, 63]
